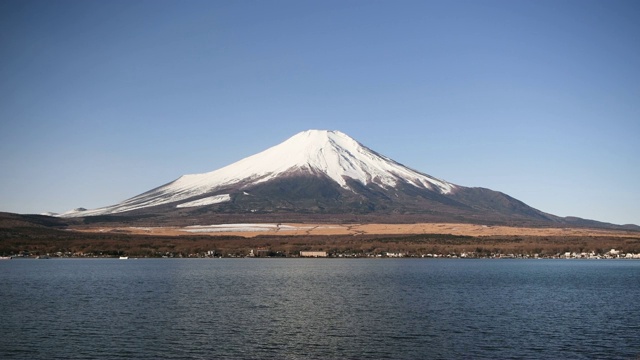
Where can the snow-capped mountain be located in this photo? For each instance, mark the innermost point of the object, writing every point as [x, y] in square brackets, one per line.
[318, 171]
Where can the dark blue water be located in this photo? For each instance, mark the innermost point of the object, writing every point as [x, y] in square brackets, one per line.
[319, 309]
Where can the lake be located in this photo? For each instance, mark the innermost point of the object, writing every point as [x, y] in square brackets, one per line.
[319, 309]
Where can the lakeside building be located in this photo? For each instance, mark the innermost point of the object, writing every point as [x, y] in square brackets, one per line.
[313, 254]
[260, 252]
[396, 254]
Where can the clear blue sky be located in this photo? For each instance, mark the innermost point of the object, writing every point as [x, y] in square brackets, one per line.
[102, 100]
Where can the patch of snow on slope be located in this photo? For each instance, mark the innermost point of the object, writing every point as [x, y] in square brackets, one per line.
[75, 212]
[244, 228]
[216, 199]
[230, 228]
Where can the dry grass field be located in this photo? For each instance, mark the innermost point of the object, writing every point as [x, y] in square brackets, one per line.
[293, 229]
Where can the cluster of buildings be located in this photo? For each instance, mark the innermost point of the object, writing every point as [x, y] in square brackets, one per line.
[611, 254]
[265, 252]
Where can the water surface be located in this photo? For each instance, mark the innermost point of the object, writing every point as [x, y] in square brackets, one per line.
[319, 309]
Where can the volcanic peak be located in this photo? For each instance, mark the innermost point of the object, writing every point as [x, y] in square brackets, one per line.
[332, 153]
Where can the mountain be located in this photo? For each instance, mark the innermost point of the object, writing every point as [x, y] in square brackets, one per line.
[319, 173]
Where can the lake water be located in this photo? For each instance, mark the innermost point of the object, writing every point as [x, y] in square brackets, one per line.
[319, 309]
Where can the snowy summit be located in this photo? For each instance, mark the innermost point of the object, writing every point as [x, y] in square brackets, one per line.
[331, 153]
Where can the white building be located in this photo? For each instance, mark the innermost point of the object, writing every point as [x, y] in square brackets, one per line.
[313, 253]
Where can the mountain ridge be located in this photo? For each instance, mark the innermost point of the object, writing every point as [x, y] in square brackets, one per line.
[331, 153]
[319, 172]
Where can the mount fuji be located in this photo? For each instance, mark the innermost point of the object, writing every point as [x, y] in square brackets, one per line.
[321, 173]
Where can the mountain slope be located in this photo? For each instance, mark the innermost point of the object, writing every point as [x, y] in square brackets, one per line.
[322, 172]
[312, 152]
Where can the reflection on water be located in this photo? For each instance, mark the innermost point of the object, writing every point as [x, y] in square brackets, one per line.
[319, 309]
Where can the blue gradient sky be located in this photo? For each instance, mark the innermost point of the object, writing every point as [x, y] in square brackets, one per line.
[103, 100]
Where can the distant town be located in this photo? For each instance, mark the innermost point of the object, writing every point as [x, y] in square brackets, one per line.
[267, 253]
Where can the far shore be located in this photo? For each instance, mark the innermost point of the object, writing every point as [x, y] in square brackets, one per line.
[335, 240]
